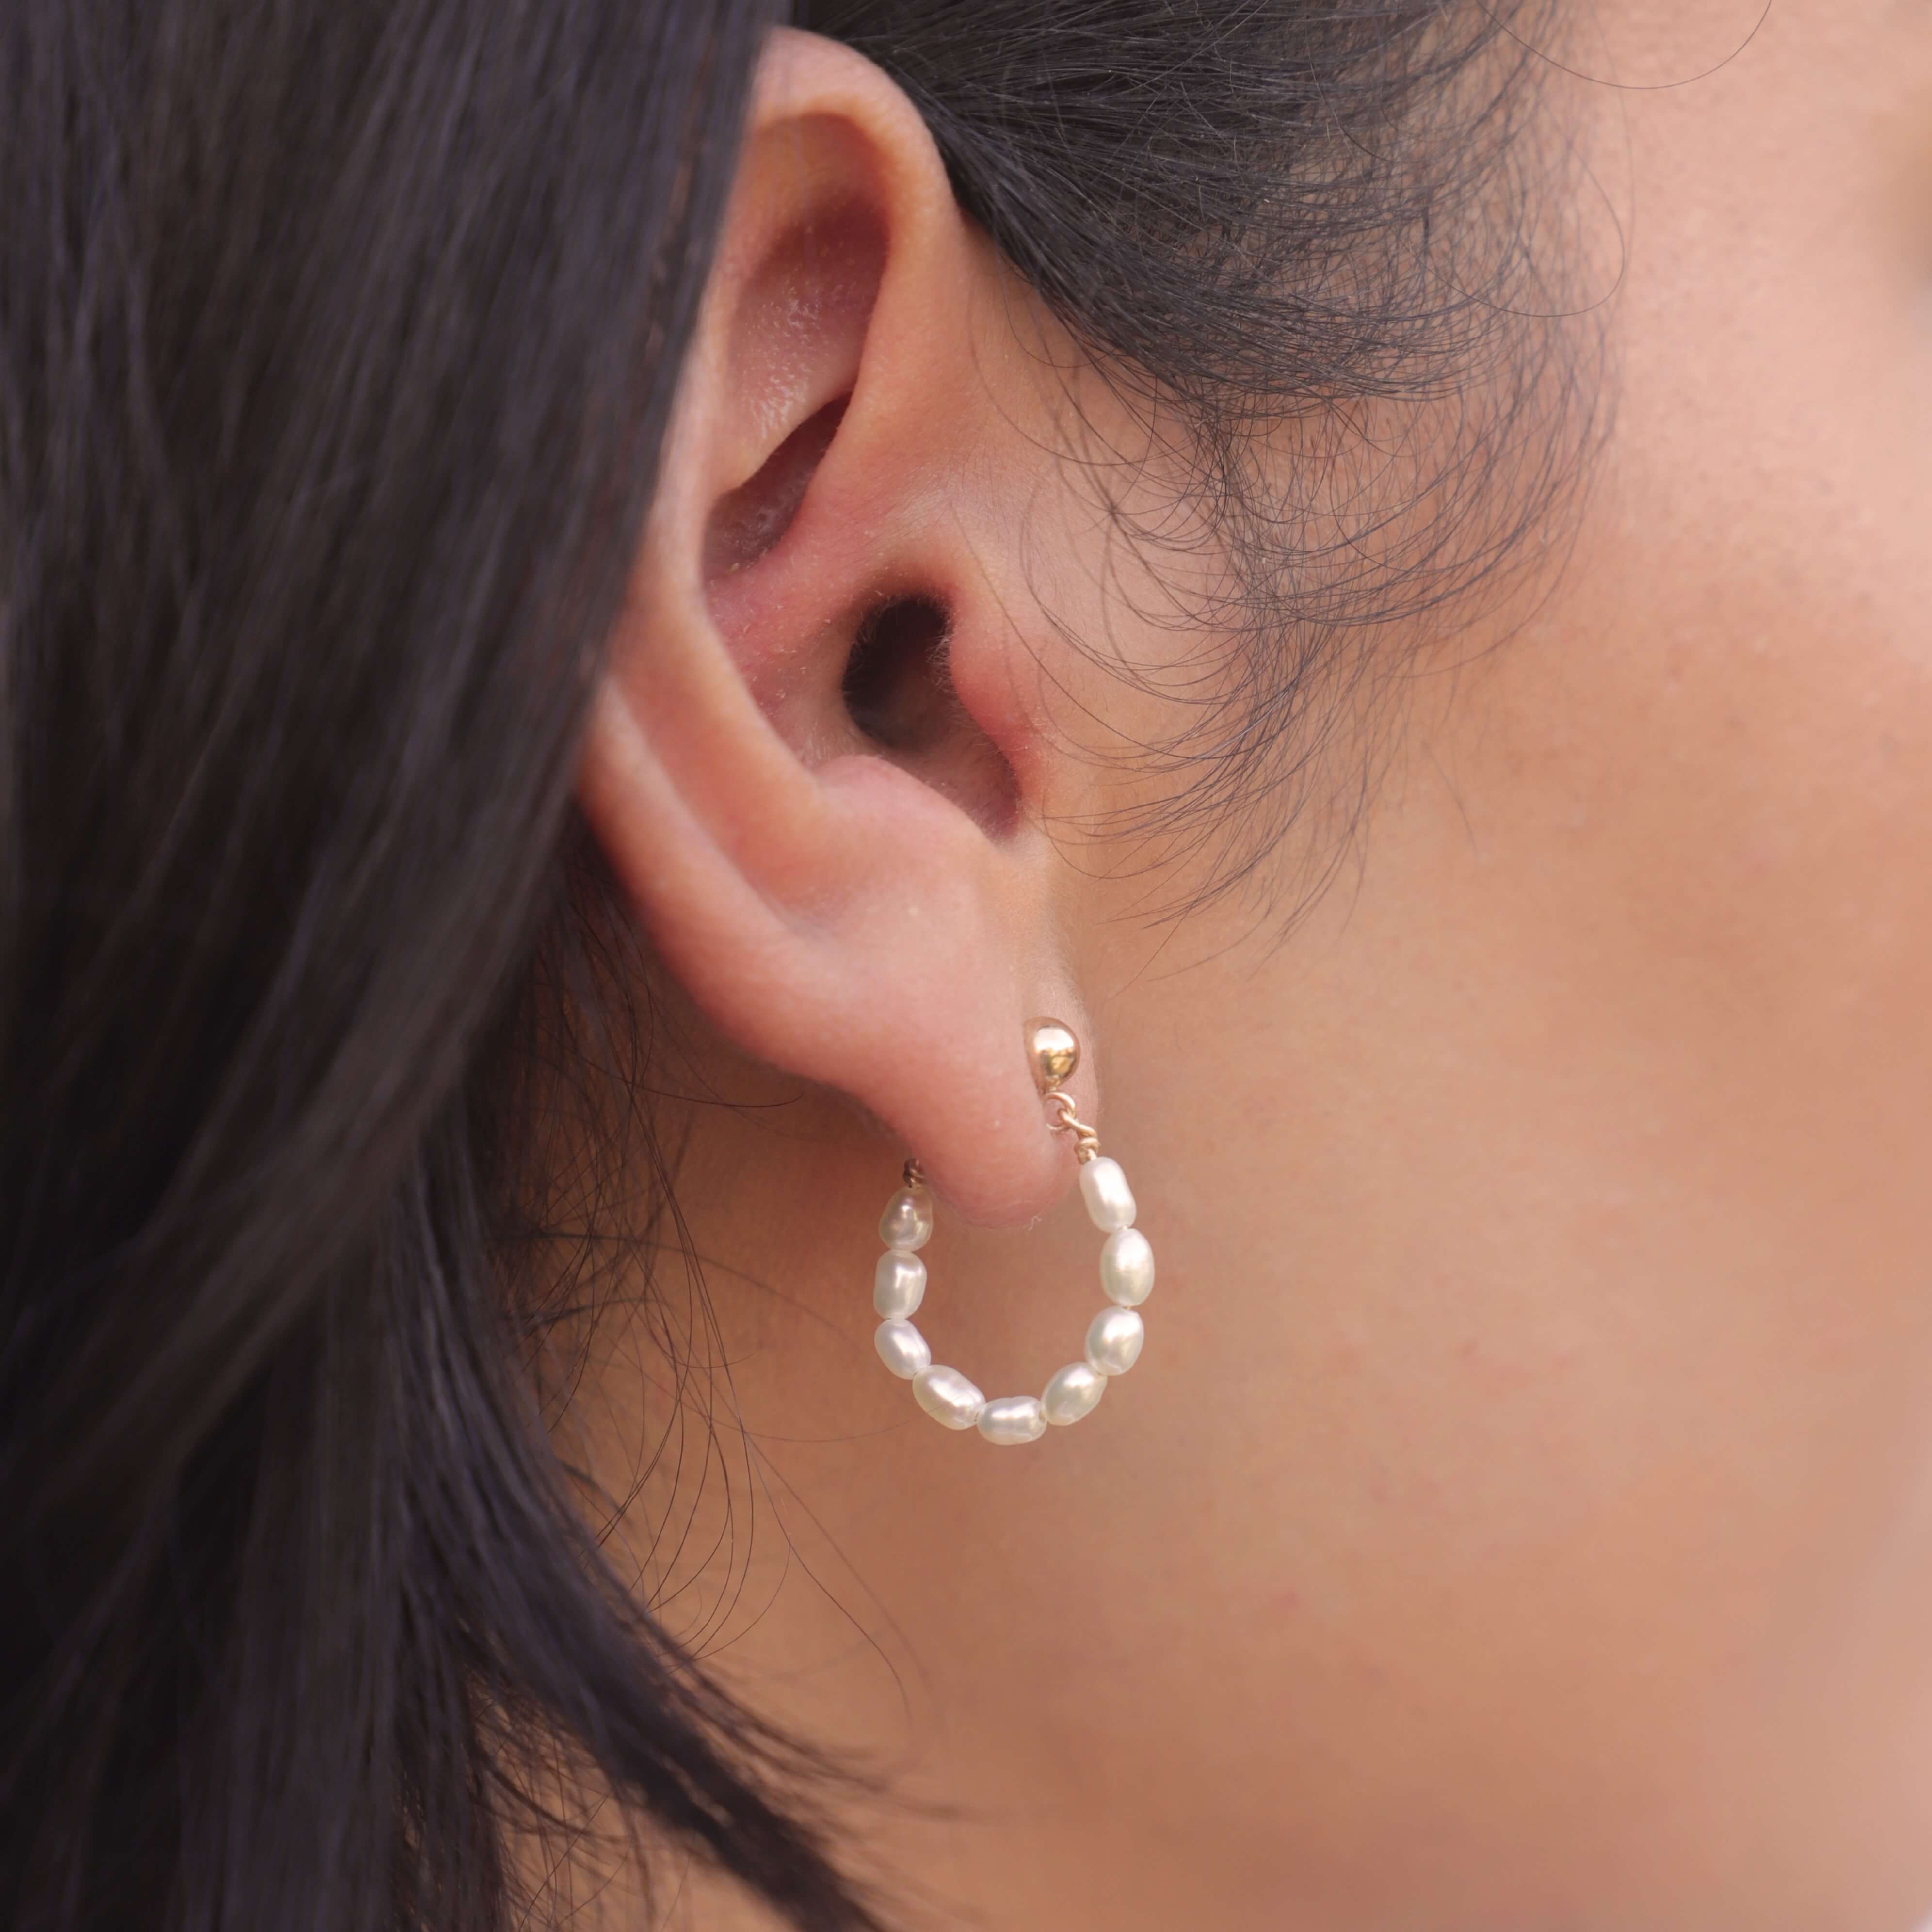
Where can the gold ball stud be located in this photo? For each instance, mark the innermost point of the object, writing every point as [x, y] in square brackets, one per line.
[1054, 1051]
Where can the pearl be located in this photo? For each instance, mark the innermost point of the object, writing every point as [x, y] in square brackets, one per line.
[1127, 1268]
[948, 1397]
[1114, 1337]
[906, 1223]
[1074, 1392]
[1113, 1340]
[1110, 1200]
[898, 1284]
[1013, 1418]
[902, 1348]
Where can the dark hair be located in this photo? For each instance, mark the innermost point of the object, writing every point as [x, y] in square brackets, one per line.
[336, 341]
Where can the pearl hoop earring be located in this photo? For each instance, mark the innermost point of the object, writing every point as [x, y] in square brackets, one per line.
[1126, 1276]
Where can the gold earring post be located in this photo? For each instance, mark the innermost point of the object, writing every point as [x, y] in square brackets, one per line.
[1054, 1049]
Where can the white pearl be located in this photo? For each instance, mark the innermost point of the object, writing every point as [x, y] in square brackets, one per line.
[907, 1221]
[902, 1348]
[1110, 1200]
[1013, 1418]
[1073, 1393]
[948, 1397]
[1113, 1340]
[898, 1284]
[1127, 1268]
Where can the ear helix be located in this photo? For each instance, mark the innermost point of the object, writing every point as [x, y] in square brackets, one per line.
[1114, 1338]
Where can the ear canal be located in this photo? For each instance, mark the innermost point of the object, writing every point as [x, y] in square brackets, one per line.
[898, 685]
[898, 690]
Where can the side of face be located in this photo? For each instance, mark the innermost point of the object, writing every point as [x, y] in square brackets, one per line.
[1521, 1516]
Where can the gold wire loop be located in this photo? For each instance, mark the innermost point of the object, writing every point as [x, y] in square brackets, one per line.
[1086, 1142]
[915, 1174]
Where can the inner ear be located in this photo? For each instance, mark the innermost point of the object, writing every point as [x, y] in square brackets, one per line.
[837, 666]
[747, 522]
[797, 336]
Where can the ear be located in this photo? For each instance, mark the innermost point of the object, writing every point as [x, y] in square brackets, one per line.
[814, 764]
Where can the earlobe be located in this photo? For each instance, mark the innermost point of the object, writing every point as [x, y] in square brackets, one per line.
[824, 835]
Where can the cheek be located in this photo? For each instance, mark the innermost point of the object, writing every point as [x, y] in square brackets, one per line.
[1539, 1390]
[1543, 1359]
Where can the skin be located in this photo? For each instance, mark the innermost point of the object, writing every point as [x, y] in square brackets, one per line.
[1521, 1518]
